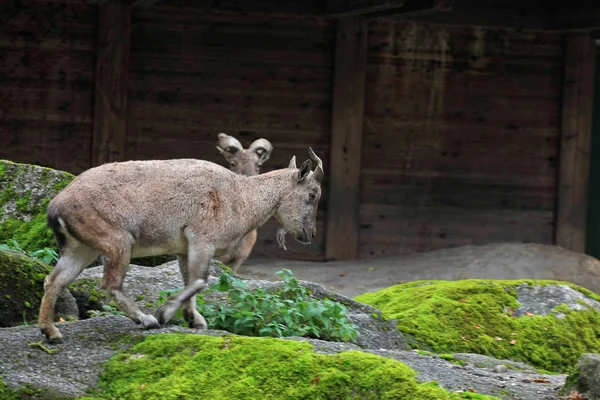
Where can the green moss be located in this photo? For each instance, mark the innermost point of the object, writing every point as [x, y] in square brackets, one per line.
[31, 235]
[21, 287]
[470, 316]
[23, 202]
[175, 366]
[90, 288]
[451, 358]
[7, 393]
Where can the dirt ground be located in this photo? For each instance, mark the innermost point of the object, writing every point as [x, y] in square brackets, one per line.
[492, 261]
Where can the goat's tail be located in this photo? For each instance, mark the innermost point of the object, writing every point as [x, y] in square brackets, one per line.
[60, 228]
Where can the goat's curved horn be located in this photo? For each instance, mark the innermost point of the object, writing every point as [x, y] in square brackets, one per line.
[260, 146]
[229, 143]
[319, 173]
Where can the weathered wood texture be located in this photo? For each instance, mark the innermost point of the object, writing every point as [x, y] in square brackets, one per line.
[461, 137]
[577, 105]
[47, 52]
[112, 75]
[346, 139]
[194, 74]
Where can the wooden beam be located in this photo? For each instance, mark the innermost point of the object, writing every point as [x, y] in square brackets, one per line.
[414, 8]
[112, 69]
[135, 3]
[346, 8]
[341, 241]
[576, 127]
[144, 3]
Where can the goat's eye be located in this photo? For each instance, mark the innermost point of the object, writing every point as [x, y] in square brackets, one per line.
[232, 163]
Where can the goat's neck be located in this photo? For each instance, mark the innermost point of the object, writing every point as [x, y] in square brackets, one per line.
[261, 195]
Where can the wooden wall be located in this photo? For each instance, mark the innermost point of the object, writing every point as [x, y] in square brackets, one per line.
[47, 62]
[461, 125]
[194, 74]
[461, 137]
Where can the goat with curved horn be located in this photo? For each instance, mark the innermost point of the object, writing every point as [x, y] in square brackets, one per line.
[244, 162]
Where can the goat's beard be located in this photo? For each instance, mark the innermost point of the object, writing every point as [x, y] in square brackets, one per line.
[281, 238]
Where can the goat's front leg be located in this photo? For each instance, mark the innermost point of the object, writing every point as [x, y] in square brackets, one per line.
[198, 260]
[190, 313]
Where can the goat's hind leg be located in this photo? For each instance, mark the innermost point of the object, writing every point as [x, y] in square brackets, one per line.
[116, 262]
[75, 256]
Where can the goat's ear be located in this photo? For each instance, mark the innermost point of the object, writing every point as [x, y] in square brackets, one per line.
[292, 163]
[220, 150]
[304, 170]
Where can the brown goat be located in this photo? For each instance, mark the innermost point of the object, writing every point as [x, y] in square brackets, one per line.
[245, 162]
[191, 208]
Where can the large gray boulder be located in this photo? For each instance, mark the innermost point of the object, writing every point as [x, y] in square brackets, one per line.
[145, 285]
[71, 369]
[491, 261]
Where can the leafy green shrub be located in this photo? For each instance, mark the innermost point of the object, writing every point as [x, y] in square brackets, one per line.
[288, 312]
[46, 255]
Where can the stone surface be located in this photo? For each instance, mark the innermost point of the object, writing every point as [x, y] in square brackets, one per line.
[90, 343]
[540, 300]
[586, 380]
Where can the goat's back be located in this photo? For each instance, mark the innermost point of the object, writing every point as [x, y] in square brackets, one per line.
[154, 196]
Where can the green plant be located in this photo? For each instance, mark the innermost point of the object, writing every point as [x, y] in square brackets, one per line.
[288, 312]
[46, 255]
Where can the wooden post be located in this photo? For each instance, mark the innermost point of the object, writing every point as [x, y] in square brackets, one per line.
[346, 139]
[578, 97]
[112, 69]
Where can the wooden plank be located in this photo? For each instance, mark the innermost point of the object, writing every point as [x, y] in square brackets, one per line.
[135, 3]
[112, 70]
[346, 8]
[346, 139]
[578, 96]
[144, 3]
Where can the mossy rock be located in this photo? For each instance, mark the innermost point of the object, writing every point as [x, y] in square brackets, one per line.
[183, 366]
[25, 193]
[22, 289]
[487, 317]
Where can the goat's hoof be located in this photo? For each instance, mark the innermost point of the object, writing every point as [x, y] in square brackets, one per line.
[53, 335]
[198, 323]
[149, 322]
[165, 313]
